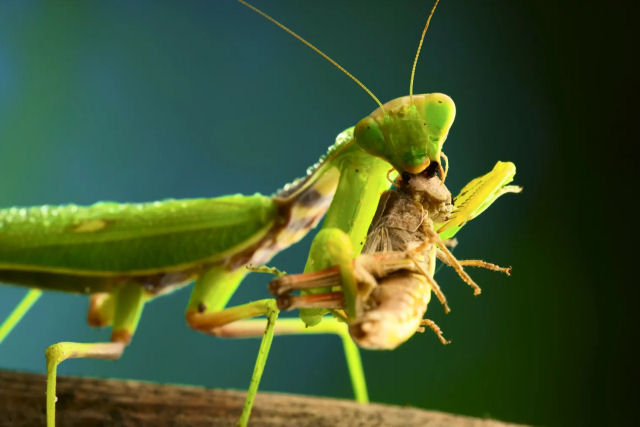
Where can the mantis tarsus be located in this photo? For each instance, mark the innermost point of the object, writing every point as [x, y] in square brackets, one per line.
[125, 254]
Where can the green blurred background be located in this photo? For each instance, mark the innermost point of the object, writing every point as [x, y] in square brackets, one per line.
[139, 101]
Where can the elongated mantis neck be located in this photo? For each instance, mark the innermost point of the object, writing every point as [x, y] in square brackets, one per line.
[363, 178]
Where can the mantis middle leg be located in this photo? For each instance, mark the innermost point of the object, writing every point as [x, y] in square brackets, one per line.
[206, 313]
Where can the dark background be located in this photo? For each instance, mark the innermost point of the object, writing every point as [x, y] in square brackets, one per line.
[145, 101]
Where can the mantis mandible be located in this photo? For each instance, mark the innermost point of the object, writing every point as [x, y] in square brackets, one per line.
[124, 255]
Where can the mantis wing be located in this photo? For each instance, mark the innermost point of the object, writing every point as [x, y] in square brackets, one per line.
[116, 238]
[477, 196]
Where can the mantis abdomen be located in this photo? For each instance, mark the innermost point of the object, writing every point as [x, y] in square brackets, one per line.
[89, 249]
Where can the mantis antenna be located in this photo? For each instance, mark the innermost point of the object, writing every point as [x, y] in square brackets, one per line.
[415, 61]
[321, 53]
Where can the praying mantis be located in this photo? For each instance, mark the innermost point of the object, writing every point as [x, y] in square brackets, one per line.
[124, 255]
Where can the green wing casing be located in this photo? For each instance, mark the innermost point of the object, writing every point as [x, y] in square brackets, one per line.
[477, 196]
[115, 239]
[89, 248]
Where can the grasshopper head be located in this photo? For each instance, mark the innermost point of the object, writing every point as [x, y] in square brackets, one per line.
[408, 135]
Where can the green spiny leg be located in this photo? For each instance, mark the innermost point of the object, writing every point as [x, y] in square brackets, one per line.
[206, 313]
[332, 257]
[332, 247]
[18, 313]
[129, 301]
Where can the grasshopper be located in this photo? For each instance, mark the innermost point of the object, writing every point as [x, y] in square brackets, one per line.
[125, 255]
[383, 294]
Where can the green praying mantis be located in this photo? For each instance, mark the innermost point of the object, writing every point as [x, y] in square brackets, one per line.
[124, 255]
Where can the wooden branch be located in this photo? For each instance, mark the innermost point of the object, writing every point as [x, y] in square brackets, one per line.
[99, 402]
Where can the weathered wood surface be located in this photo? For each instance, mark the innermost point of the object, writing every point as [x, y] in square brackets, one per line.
[99, 402]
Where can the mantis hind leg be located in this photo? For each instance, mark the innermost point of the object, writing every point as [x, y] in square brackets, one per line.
[18, 312]
[129, 301]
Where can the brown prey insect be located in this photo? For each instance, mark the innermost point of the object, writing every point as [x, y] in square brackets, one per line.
[394, 275]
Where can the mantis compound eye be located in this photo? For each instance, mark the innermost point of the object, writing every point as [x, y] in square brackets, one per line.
[369, 136]
[438, 112]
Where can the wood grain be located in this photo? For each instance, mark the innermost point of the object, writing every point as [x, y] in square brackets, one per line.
[99, 402]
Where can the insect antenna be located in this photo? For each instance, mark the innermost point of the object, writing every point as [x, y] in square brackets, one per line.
[415, 61]
[318, 51]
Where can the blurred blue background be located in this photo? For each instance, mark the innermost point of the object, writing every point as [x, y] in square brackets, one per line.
[140, 101]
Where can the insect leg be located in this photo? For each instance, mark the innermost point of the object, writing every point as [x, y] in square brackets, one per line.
[331, 263]
[475, 263]
[291, 326]
[332, 248]
[436, 329]
[329, 300]
[265, 269]
[18, 313]
[453, 262]
[206, 313]
[328, 277]
[434, 285]
[129, 302]
[366, 267]
[101, 309]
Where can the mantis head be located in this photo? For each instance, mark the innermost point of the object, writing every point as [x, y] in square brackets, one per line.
[408, 133]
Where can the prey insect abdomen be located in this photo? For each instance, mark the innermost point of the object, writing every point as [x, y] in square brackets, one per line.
[397, 306]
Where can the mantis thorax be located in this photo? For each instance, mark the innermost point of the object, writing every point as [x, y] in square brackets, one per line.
[407, 134]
